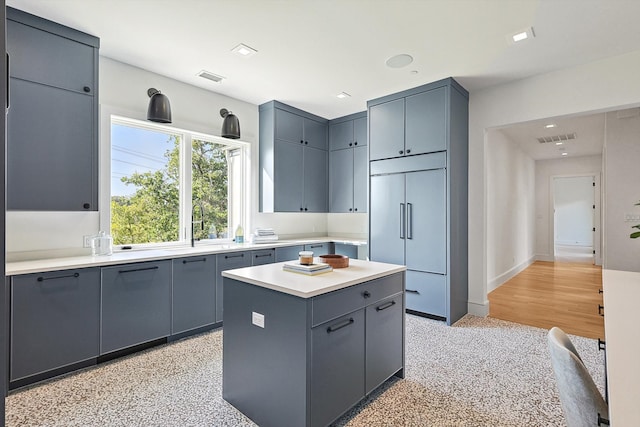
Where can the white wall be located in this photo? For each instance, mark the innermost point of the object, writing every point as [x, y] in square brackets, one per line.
[622, 192]
[597, 86]
[123, 92]
[545, 170]
[510, 209]
[573, 201]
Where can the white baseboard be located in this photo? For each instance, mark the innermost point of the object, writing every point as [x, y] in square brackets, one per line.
[541, 257]
[476, 309]
[499, 280]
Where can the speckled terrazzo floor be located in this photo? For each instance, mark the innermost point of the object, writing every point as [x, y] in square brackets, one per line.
[480, 372]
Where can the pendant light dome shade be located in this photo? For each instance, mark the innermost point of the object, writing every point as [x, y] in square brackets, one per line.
[230, 125]
[159, 107]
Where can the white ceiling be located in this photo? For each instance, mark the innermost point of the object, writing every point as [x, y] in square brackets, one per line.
[311, 50]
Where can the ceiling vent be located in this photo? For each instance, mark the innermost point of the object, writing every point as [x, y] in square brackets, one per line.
[210, 76]
[557, 138]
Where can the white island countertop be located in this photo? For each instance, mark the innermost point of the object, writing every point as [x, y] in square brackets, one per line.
[622, 335]
[272, 276]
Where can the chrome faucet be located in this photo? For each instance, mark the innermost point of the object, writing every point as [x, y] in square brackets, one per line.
[194, 221]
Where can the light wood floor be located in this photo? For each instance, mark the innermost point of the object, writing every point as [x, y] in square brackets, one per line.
[549, 294]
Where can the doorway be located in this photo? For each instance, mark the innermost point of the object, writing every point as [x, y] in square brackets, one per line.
[575, 206]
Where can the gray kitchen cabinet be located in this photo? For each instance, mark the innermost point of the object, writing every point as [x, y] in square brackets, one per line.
[194, 293]
[348, 164]
[55, 320]
[296, 128]
[344, 249]
[418, 193]
[53, 80]
[338, 366]
[136, 304]
[293, 160]
[411, 125]
[263, 256]
[224, 262]
[383, 320]
[319, 248]
[288, 253]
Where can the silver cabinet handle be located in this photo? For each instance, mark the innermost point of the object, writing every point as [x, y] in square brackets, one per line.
[402, 220]
[409, 221]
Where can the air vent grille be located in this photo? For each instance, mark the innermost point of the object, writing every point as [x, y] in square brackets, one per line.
[557, 138]
[210, 76]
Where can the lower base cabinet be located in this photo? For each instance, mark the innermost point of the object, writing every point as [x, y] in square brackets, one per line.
[194, 293]
[427, 293]
[288, 253]
[136, 304]
[55, 320]
[227, 262]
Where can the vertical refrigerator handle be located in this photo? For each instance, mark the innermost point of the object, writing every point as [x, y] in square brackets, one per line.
[409, 221]
[8, 100]
[402, 220]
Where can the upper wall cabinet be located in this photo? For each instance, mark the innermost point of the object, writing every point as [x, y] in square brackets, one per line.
[52, 122]
[415, 124]
[294, 160]
[348, 164]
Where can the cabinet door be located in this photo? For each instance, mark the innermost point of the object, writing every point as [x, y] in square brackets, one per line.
[288, 253]
[194, 293]
[349, 250]
[316, 180]
[288, 177]
[386, 218]
[337, 367]
[341, 135]
[54, 320]
[341, 176]
[360, 131]
[360, 176]
[315, 134]
[386, 130]
[51, 146]
[427, 293]
[227, 262]
[384, 341]
[43, 57]
[426, 243]
[426, 122]
[136, 304]
[288, 126]
[265, 256]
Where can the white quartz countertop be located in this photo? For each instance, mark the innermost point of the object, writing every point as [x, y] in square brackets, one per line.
[621, 293]
[272, 276]
[135, 255]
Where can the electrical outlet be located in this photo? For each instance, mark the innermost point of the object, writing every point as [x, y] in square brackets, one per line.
[86, 241]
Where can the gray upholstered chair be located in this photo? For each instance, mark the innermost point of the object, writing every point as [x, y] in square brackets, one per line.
[582, 403]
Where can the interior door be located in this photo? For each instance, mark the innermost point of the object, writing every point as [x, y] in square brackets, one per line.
[426, 243]
[388, 211]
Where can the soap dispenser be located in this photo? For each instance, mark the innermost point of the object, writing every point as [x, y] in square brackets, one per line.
[239, 234]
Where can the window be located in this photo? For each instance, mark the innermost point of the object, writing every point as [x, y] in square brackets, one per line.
[167, 183]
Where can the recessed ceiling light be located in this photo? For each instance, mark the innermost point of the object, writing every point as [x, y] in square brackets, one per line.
[559, 143]
[244, 50]
[399, 61]
[210, 76]
[550, 125]
[343, 95]
[565, 154]
[414, 71]
[522, 35]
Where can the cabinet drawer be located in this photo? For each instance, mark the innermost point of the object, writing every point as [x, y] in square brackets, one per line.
[318, 248]
[426, 293]
[338, 303]
[265, 256]
[288, 253]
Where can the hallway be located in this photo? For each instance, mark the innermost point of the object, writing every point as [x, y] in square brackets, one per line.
[549, 294]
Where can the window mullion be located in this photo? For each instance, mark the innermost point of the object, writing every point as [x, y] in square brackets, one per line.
[186, 199]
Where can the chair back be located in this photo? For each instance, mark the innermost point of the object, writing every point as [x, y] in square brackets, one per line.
[580, 398]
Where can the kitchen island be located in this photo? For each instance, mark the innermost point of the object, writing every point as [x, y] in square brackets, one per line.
[302, 350]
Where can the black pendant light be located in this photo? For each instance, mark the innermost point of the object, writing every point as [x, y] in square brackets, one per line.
[159, 107]
[230, 125]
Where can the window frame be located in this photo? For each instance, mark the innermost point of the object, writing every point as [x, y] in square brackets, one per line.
[185, 178]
